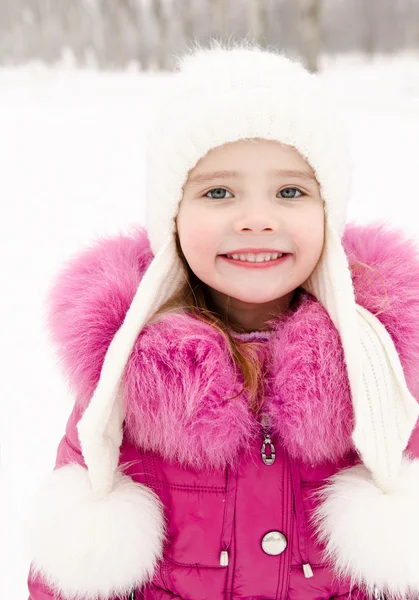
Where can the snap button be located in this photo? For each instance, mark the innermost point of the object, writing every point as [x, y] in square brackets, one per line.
[274, 543]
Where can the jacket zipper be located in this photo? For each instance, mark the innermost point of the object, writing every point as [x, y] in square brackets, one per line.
[229, 512]
[268, 455]
[268, 458]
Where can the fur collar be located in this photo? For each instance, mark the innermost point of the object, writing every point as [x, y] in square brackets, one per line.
[180, 371]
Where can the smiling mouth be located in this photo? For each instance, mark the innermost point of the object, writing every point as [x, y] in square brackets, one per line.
[263, 256]
[249, 264]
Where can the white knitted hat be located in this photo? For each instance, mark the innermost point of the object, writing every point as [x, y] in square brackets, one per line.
[221, 95]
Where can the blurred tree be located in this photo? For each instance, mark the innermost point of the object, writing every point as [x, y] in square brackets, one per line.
[257, 11]
[135, 12]
[311, 32]
[185, 15]
[220, 18]
[162, 26]
[112, 33]
[367, 18]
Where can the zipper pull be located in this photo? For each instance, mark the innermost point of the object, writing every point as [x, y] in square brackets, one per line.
[224, 558]
[268, 459]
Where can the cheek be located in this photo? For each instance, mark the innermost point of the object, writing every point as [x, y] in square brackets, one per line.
[199, 241]
[309, 232]
[199, 246]
[198, 233]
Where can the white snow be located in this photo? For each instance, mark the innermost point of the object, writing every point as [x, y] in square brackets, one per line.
[71, 156]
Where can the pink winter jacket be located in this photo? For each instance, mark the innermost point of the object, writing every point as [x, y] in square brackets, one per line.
[201, 453]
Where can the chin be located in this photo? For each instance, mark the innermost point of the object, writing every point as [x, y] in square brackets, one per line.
[255, 299]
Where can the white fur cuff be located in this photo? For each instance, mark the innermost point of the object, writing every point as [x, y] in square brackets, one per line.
[87, 548]
[370, 536]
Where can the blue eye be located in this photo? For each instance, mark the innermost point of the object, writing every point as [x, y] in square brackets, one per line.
[220, 193]
[289, 192]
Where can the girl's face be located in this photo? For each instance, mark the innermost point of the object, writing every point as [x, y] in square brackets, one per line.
[251, 195]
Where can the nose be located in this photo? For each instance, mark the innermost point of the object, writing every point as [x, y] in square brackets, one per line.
[257, 222]
[255, 214]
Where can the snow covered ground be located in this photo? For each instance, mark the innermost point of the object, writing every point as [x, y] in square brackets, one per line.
[71, 156]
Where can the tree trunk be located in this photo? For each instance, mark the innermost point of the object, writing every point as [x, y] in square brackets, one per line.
[162, 33]
[258, 21]
[185, 15]
[220, 18]
[311, 32]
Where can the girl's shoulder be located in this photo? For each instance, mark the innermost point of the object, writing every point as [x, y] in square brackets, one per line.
[384, 264]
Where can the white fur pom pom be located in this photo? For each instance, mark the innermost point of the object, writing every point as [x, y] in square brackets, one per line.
[86, 548]
[372, 537]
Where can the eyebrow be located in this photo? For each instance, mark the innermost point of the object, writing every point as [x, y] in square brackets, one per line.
[208, 177]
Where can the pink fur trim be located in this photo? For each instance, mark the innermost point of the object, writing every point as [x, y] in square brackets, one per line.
[310, 401]
[88, 302]
[186, 376]
[395, 260]
[180, 370]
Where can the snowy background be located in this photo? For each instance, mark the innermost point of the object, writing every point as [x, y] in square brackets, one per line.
[71, 152]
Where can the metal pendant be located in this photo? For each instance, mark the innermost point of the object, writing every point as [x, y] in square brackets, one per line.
[268, 459]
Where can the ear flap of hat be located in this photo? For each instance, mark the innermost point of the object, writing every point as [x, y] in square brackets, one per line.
[100, 448]
[385, 411]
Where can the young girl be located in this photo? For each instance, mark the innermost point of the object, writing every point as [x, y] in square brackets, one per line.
[245, 368]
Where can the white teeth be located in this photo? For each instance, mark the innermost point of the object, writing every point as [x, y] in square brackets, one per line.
[263, 257]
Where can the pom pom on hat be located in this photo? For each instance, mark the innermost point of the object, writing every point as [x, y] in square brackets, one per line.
[370, 536]
[87, 548]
